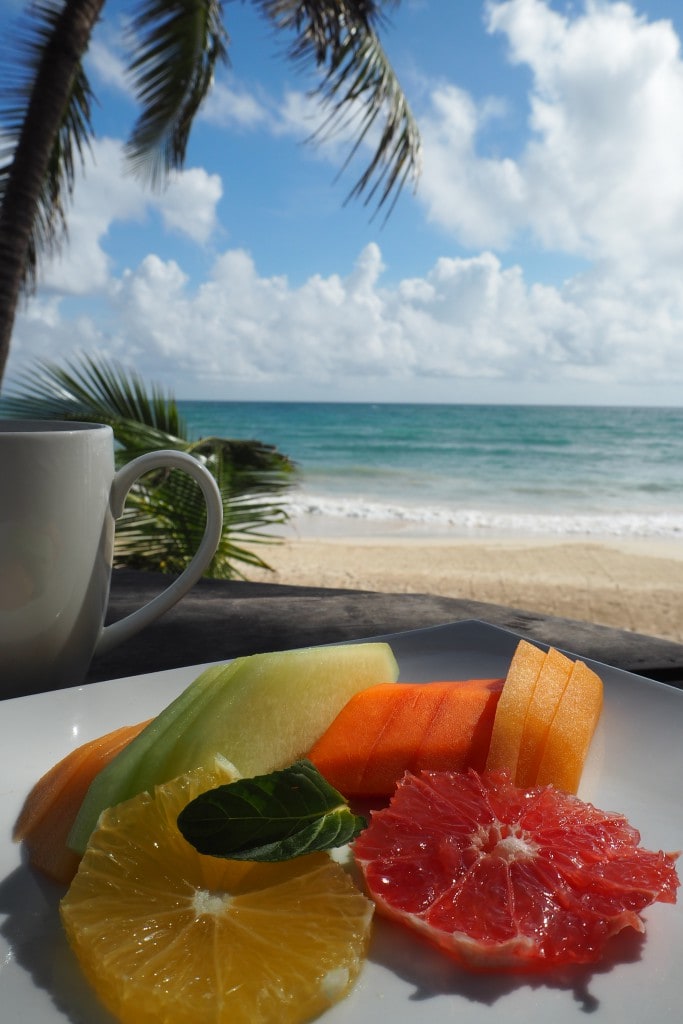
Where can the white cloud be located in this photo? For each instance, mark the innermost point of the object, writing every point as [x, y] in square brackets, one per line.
[228, 107]
[601, 174]
[468, 319]
[83, 265]
[104, 59]
[187, 205]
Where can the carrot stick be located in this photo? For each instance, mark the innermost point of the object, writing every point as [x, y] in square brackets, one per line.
[392, 728]
[50, 808]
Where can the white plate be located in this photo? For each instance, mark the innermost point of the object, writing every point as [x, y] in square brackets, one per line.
[635, 766]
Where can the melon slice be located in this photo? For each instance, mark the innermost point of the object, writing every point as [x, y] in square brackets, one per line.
[544, 702]
[513, 703]
[572, 730]
[260, 712]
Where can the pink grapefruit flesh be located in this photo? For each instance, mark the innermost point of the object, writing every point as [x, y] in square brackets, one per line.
[502, 877]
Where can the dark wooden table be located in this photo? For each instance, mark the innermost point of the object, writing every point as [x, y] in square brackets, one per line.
[226, 619]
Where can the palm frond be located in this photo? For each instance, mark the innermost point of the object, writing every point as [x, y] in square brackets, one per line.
[245, 467]
[92, 390]
[178, 44]
[27, 77]
[360, 88]
[164, 520]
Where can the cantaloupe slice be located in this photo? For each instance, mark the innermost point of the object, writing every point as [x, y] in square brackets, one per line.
[571, 730]
[544, 702]
[51, 807]
[513, 704]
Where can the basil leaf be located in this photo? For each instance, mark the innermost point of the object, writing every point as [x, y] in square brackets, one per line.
[271, 817]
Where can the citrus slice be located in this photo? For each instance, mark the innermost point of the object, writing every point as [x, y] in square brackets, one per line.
[501, 877]
[164, 933]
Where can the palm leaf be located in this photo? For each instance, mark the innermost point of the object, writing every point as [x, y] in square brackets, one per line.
[360, 88]
[177, 45]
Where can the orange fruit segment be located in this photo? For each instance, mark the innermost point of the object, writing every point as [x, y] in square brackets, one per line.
[571, 730]
[544, 702]
[513, 703]
[165, 933]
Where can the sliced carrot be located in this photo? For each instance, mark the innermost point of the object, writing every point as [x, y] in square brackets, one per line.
[544, 702]
[392, 728]
[571, 730]
[508, 726]
[50, 808]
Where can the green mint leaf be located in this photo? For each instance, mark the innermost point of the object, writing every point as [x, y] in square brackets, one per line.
[271, 817]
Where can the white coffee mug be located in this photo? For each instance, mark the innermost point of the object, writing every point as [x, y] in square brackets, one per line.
[59, 497]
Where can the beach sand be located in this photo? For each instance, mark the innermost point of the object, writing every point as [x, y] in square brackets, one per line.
[631, 584]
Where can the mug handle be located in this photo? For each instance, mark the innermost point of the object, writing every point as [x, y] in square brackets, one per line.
[116, 632]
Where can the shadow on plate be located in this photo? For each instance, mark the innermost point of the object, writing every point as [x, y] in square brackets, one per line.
[37, 943]
[432, 973]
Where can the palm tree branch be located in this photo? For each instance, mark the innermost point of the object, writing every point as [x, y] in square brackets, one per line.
[93, 390]
[359, 82]
[178, 44]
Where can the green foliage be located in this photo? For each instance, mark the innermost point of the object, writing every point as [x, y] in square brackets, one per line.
[164, 517]
[274, 817]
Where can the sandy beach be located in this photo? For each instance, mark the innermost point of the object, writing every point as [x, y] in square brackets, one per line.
[632, 584]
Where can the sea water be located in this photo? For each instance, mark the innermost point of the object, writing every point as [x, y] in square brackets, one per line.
[470, 469]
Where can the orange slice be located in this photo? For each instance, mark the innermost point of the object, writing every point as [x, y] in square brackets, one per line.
[164, 933]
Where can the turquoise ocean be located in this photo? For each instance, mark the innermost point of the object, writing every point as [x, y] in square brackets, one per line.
[470, 470]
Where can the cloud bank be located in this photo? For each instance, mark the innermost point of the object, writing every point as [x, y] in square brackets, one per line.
[598, 178]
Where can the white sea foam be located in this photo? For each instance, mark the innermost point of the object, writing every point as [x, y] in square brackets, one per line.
[464, 521]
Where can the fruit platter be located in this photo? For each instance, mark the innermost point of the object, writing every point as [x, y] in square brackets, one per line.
[632, 768]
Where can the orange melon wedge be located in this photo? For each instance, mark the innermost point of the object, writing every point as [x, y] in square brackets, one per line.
[50, 808]
[543, 705]
[513, 704]
[571, 730]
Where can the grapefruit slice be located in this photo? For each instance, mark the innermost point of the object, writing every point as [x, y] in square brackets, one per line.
[501, 877]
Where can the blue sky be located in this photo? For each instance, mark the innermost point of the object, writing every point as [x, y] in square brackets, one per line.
[539, 260]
